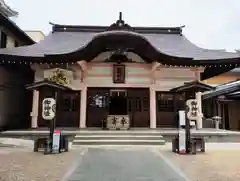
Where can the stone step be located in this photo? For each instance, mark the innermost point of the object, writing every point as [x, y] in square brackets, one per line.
[113, 133]
[118, 142]
[118, 137]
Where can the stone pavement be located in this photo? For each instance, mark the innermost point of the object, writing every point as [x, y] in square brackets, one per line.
[214, 165]
[101, 164]
[18, 162]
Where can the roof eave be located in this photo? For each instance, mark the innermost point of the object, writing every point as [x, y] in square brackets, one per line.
[192, 85]
[46, 83]
[221, 92]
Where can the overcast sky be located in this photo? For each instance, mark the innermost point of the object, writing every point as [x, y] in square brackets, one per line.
[213, 24]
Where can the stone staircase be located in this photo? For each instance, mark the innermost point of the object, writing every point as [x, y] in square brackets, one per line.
[144, 138]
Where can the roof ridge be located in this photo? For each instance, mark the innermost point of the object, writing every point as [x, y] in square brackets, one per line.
[101, 28]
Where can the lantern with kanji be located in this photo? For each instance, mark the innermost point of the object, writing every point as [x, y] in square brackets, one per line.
[192, 111]
[48, 108]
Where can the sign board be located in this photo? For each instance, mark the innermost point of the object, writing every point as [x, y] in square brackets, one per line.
[48, 108]
[182, 141]
[56, 141]
[182, 118]
[192, 112]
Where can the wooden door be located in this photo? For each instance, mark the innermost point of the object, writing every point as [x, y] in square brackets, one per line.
[138, 107]
[97, 106]
[68, 109]
[168, 105]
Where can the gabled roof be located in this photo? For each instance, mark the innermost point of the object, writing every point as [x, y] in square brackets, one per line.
[15, 30]
[46, 83]
[191, 85]
[78, 38]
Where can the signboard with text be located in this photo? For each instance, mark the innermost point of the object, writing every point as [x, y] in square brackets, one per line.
[56, 141]
[192, 112]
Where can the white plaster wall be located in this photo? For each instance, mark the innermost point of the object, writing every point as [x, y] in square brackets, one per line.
[166, 77]
[10, 42]
[171, 77]
[137, 75]
[102, 73]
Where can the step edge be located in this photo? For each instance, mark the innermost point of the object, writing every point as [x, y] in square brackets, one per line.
[137, 136]
[77, 141]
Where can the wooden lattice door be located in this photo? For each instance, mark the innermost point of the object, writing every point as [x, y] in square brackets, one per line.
[97, 106]
[138, 107]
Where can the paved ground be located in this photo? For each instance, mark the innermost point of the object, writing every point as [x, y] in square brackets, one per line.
[217, 164]
[123, 165]
[21, 164]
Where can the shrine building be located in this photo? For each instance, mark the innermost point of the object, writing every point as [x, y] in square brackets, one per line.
[136, 73]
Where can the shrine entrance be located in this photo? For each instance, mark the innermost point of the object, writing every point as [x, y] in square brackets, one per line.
[133, 102]
[118, 102]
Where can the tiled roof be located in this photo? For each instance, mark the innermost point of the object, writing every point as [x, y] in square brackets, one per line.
[223, 89]
[170, 44]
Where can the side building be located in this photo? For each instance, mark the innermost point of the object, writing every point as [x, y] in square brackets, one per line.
[224, 78]
[37, 36]
[15, 102]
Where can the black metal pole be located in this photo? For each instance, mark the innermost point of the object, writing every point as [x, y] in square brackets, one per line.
[53, 121]
[188, 134]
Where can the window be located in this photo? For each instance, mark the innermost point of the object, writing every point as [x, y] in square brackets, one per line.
[165, 102]
[70, 102]
[16, 44]
[118, 73]
[138, 104]
[3, 40]
[145, 103]
[99, 101]
[179, 102]
[74, 104]
[129, 105]
[66, 104]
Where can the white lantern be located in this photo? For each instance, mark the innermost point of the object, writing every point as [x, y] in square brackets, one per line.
[48, 108]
